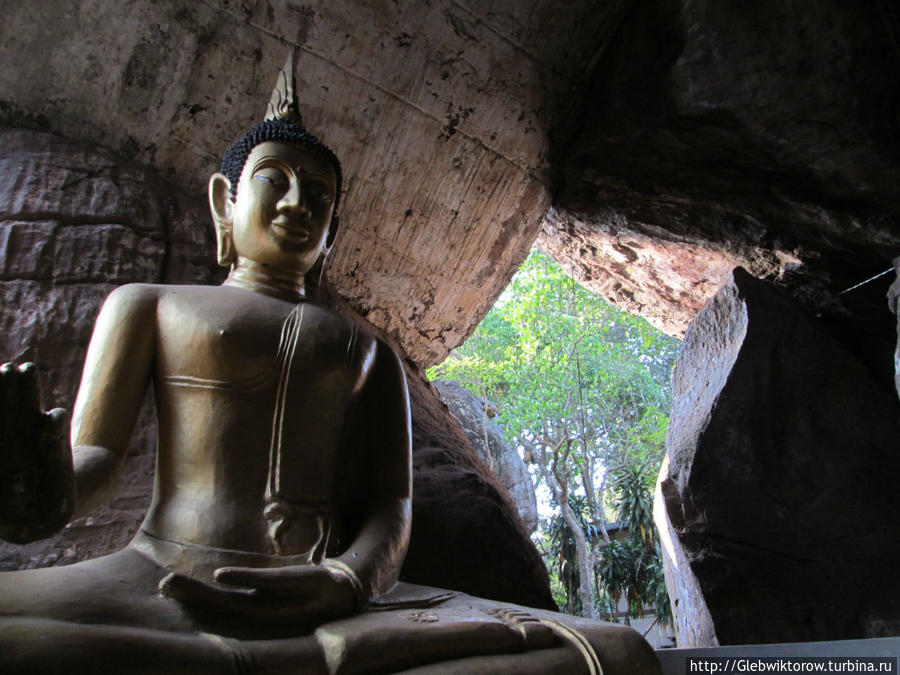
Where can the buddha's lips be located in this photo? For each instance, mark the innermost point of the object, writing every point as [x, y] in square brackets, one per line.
[291, 230]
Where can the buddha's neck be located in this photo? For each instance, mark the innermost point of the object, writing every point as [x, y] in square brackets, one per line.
[252, 276]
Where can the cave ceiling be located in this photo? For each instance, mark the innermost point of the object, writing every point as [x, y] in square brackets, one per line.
[718, 134]
[649, 147]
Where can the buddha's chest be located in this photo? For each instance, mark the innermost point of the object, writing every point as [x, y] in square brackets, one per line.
[225, 339]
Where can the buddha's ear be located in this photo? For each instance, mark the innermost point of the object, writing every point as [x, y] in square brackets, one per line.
[222, 207]
[314, 276]
[220, 202]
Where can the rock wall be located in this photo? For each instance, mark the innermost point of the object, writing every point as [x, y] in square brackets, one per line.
[778, 504]
[466, 531]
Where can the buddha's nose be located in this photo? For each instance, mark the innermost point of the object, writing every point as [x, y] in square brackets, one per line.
[293, 201]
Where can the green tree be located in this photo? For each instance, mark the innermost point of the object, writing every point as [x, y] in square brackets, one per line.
[582, 389]
[631, 567]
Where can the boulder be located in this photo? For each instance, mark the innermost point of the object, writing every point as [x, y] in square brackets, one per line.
[475, 417]
[778, 505]
[464, 537]
[466, 533]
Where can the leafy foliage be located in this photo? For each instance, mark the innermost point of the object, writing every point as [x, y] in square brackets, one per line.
[631, 567]
[565, 562]
[582, 389]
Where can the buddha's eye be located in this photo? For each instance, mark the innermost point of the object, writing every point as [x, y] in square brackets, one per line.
[318, 190]
[271, 177]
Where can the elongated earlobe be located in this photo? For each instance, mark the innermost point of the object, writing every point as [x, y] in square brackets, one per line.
[225, 255]
[222, 207]
[315, 276]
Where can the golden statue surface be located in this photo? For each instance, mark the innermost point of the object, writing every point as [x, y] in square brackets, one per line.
[282, 500]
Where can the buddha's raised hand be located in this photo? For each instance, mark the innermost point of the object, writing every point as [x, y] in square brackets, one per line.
[36, 478]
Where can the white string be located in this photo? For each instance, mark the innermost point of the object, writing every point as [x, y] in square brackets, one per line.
[863, 283]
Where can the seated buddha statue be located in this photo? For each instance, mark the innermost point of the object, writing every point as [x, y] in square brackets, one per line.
[281, 504]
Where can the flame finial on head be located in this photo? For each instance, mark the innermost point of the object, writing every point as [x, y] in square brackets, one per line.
[283, 105]
[282, 123]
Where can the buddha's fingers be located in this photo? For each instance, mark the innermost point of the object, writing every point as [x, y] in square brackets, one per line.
[29, 392]
[6, 375]
[299, 581]
[6, 414]
[240, 602]
[9, 408]
[55, 456]
[192, 591]
[20, 400]
[15, 434]
[54, 437]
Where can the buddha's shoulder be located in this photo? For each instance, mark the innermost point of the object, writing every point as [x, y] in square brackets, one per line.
[196, 297]
[132, 298]
[362, 344]
[341, 326]
[140, 292]
[139, 297]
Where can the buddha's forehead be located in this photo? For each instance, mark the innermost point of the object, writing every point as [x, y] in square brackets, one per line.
[294, 156]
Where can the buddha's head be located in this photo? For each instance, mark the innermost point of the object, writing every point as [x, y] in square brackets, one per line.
[275, 200]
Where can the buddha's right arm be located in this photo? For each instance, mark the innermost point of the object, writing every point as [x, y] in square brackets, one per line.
[116, 373]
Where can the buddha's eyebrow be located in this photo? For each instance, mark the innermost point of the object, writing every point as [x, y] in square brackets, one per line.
[298, 169]
[268, 159]
[301, 171]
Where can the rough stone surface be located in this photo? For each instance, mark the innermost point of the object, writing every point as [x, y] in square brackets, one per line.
[780, 495]
[446, 116]
[719, 134]
[486, 437]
